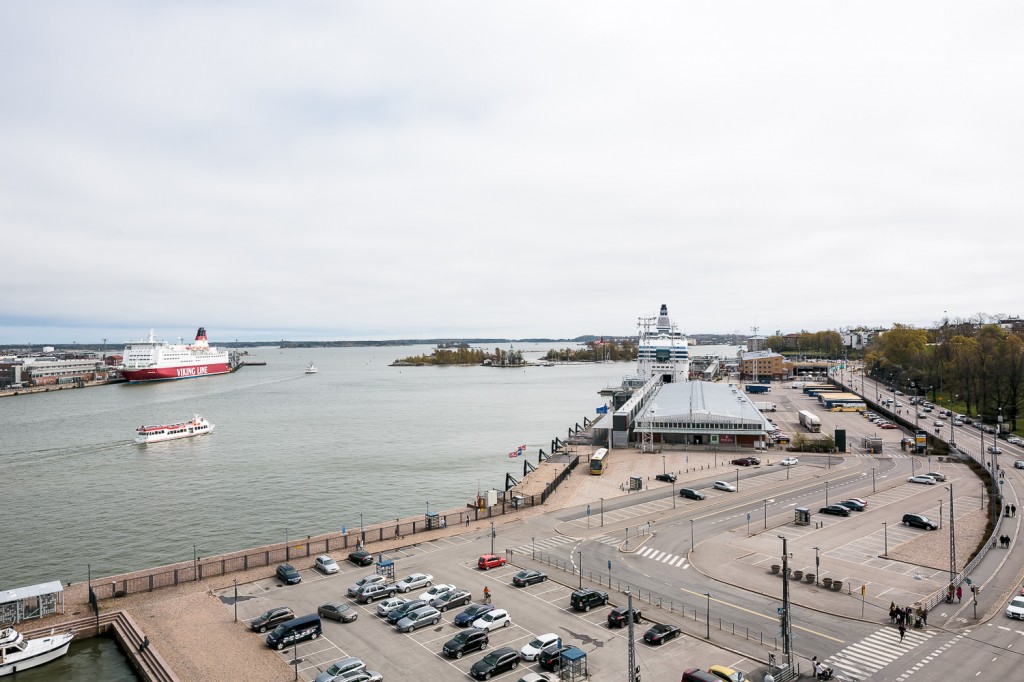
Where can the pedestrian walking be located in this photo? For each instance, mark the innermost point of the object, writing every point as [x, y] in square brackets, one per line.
[1007, 510]
[903, 632]
[924, 616]
[959, 593]
[892, 614]
[467, 520]
[1013, 510]
[909, 620]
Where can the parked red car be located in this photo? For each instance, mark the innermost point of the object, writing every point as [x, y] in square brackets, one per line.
[488, 561]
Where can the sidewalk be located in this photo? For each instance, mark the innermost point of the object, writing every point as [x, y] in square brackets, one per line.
[745, 561]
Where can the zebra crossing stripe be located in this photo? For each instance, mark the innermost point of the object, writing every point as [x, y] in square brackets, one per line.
[866, 657]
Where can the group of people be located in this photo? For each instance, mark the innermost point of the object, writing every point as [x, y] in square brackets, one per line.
[1004, 541]
[906, 617]
[1011, 510]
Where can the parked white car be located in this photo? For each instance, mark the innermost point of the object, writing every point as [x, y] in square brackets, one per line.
[531, 651]
[926, 480]
[326, 564]
[354, 588]
[498, 618]
[724, 485]
[789, 461]
[389, 605]
[411, 582]
[435, 592]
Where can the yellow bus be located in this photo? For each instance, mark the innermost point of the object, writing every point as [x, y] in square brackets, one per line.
[599, 462]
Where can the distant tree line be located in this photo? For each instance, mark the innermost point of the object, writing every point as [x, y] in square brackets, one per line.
[594, 351]
[826, 344]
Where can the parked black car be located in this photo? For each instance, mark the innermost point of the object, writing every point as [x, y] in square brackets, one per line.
[360, 557]
[399, 613]
[919, 521]
[464, 642]
[661, 633]
[852, 505]
[471, 613]
[584, 600]
[837, 509]
[692, 494]
[287, 574]
[668, 478]
[619, 617]
[549, 658]
[498, 661]
[528, 577]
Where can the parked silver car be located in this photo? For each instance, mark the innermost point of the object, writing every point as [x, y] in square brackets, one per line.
[425, 615]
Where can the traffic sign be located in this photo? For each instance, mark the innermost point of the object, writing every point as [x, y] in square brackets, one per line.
[588, 510]
[748, 516]
[609, 564]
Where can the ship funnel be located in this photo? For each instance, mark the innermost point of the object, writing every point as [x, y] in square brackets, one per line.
[201, 334]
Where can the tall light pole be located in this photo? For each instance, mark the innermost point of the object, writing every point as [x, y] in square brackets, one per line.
[602, 511]
[691, 534]
[872, 480]
[952, 537]
[663, 469]
[737, 480]
[492, 539]
[885, 531]
[673, 494]
[787, 643]
[235, 581]
[826, 493]
[581, 568]
[362, 533]
[708, 595]
[817, 565]
[940, 513]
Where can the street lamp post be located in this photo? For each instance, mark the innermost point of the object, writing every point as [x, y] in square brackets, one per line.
[581, 568]
[885, 531]
[940, 513]
[737, 480]
[826, 493]
[602, 511]
[691, 534]
[708, 595]
[673, 494]
[235, 581]
[766, 514]
[492, 537]
[362, 534]
[817, 566]
[873, 480]
[663, 469]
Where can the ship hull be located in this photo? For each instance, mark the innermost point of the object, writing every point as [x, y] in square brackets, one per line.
[43, 651]
[135, 376]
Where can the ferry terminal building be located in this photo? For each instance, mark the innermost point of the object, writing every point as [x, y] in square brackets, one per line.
[662, 406]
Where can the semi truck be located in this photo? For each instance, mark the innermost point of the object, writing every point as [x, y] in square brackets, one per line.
[809, 421]
[765, 407]
[757, 388]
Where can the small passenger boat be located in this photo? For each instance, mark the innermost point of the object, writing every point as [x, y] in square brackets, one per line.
[311, 369]
[154, 434]
[18, 654]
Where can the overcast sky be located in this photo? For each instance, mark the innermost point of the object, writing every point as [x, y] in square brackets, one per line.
[351, 170]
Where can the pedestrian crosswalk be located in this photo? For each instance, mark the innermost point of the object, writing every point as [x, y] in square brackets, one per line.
[674, 560]
[860, 661]
[553, 543]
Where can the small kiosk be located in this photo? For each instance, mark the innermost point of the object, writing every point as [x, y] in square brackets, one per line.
[802, 516]
[432, 520]
[636, 483]
[573, 665]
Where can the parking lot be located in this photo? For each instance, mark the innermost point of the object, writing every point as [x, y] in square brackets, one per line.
[534, 610]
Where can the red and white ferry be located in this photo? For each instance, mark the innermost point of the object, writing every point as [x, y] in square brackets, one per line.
[153, 360]
[197, 426]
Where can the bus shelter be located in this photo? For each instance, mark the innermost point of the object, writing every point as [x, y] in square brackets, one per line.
[34, 601]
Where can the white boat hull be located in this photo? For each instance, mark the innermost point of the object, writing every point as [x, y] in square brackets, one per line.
[143, 440]
[38, 652]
